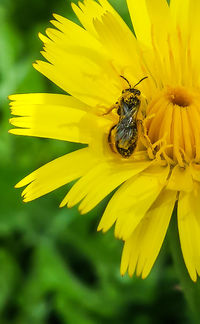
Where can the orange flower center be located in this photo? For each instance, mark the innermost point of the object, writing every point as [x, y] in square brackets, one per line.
[173, 125]
[179, 96]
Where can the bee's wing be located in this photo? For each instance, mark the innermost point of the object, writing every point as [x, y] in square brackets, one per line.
[123, 134]
[128, 111]
[125, 109]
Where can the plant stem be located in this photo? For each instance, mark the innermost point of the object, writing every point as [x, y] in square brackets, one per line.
[191, 289]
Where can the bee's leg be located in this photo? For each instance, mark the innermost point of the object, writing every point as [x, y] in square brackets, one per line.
[162, 152]
[109, 138]
[115, 106]
[145, 138]
[144, 121]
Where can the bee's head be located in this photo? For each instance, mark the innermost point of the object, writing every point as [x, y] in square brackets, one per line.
[136, 92]
[132, 89]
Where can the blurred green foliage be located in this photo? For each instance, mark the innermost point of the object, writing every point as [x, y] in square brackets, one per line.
[54, 266]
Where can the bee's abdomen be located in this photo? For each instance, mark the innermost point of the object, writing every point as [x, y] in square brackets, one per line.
[126, 152]
[126, 144]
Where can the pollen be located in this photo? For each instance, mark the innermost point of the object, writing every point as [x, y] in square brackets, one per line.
[172, 126]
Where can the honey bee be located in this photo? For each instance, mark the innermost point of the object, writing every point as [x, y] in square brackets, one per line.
[125, 132]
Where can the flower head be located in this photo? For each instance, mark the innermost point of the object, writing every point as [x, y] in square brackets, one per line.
[143, 138]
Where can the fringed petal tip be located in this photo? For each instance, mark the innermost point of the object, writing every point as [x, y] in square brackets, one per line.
[37, 63]
[102, 229]
[143, 274]
[56, 16]
[12, 120]
[56, 174]
[18, 185]
[41, 37]
[62, 205]
[26, 200]
[189, 230]
[11, 98]
[142, 247]
[193, 277]
[13, 131]
[24, 182]
[68, 203]
[99, 228]
[140, 273]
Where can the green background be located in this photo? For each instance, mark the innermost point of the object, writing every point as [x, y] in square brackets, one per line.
[54, 266]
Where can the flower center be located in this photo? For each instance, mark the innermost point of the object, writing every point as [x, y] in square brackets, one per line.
[180, 97]
[173, 125]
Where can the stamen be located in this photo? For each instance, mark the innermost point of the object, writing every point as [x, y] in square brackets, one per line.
[171, 126]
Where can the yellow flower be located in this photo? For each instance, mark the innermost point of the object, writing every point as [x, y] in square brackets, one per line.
[94, 64]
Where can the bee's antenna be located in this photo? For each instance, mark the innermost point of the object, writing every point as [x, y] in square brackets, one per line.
[140, 81]
[121, 76]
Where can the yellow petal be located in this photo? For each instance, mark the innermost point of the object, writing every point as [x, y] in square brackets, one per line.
[88, 11]
[150, 16]
[159, 14]
[69, 33]
[81, 66]
[193, 29]
[120, 44]
[49, 116]
[99, 182]
[46, 99]
[195, 172]
[56, 173]
[194, 23]
[131, 202]
[140, 20]
[142, 248]
[180, 179]
[104, 23]
[82, 63]
[189, 230]
[180, 13]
